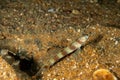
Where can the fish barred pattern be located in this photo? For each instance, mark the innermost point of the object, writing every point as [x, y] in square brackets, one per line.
[74, 46]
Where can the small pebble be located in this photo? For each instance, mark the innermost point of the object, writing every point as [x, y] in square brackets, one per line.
[75, 11]
[3, 52]
[8, 57]
[78, 30]
[49, 75]
[74, 67]
[116, 42]
[51, 10]
[55, 79]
